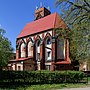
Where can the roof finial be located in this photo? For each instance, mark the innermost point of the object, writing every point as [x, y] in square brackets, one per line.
[36, 7]
[41, 4]
[48, 8]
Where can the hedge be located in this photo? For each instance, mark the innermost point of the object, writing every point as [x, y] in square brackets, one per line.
[43, 77]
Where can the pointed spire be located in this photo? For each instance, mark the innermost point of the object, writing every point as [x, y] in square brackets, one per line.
[41, 4]
[48, 8]
[36, 7]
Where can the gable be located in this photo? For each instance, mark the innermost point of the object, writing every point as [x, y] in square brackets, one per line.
[49, 22]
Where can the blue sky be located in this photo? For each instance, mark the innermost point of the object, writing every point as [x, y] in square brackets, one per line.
[15, 14]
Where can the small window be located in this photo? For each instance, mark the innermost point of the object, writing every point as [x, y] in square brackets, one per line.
[48, 54]
[47, 67]
[19, 68]
[48, 41]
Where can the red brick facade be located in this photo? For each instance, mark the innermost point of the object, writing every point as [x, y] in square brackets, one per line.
[36, 46]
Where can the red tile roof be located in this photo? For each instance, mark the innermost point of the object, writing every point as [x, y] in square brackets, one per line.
[20, 59]
[43, 24]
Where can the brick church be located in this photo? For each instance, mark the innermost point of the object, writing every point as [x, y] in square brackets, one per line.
[37, 47]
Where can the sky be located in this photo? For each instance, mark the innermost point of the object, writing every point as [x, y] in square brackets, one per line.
[15, 14]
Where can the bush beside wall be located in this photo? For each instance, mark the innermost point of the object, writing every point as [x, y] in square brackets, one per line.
[43, 77]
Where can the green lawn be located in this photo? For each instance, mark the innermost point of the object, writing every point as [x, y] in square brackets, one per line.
[47, 87]
[54, 86]
[88, 79]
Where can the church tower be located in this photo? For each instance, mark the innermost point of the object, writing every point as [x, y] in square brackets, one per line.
[41, 12]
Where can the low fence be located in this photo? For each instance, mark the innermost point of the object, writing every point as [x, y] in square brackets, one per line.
[41, 77]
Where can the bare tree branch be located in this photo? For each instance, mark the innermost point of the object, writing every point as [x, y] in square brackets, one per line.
[87, 3]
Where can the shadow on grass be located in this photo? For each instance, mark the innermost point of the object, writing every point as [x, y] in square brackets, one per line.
[13, 86]
[24, 86]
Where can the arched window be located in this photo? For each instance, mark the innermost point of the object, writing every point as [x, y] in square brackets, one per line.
[48, 49]
[38, 43]
[30, 52]
[23, 50]
[48, 41]
[60, 48]
[38, 50]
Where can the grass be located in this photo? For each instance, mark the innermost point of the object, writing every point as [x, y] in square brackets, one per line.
[46, 87]
[54, 86]
[88, 79]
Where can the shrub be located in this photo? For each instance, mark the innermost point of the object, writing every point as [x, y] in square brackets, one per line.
[37, 77]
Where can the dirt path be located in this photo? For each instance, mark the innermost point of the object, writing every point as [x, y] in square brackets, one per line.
[87, 88]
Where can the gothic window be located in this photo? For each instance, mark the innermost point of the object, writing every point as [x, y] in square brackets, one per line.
[60, 49]
[38, 43]
[22, 50]
[30, 52]
[38, 50]
[48, 49]
[48, 41]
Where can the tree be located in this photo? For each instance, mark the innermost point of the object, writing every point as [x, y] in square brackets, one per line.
[76, 14]
[5, 49]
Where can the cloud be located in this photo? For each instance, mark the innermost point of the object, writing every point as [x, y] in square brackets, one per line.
[0, 25]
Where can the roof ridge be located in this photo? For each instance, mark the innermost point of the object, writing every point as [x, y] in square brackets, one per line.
[41, 18]
[55, 19]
